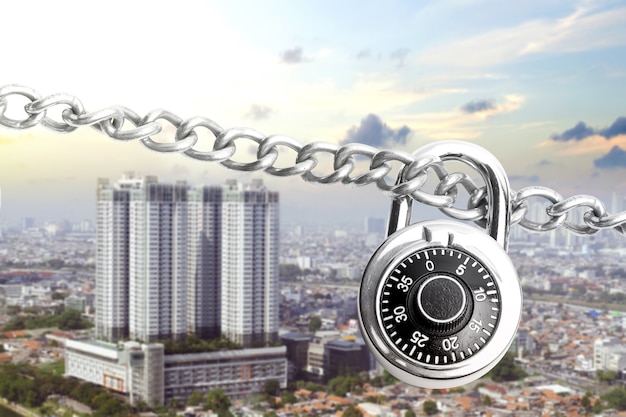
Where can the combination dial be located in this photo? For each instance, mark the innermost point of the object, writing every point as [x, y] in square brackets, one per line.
[439, 305]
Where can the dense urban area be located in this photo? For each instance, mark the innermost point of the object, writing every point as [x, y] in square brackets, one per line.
[568, 358]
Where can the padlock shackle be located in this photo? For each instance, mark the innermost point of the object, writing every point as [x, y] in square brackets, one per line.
[498, 214]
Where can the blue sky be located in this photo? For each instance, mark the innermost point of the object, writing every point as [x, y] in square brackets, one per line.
[541, 84]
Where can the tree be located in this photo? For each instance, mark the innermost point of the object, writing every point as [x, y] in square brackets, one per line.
[288, 397]
[352, 411]
[56, 263]
[389, 379]
[72, 320]
[586, 402]
[507, 370]
[58, 295]
[315, 323]
[218, 402]
[606, 377]
[289, 272]
[409, 413]
[430, 407]
[271, 387]
[616, 399]
[195, 398]
[487, 401]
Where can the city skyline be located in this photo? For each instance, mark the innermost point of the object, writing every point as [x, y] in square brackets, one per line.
[539, 84]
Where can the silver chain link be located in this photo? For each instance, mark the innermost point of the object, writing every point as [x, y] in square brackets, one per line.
[113, 122]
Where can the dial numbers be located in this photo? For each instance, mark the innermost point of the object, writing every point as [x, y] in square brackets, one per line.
[441, 306]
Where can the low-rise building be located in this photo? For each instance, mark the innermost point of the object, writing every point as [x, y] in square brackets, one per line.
[145, 373]
[609, 354]
[238, 373]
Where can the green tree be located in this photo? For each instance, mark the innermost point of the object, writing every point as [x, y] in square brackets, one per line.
[430, 407]
[586, 402]
[289, 272]
[56, 263]
[409, 413]
[195, 398]
[73, 320]
[389, 379]
[13, 310]
[271, 387]
[487, 401]
[288, 397]
[58, 295]
[352, 411]
[218, 402]
[315, 323]
[616, 398]
[606, 377]
[507, 370]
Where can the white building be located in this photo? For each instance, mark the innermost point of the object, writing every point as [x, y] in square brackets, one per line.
[158, 261]
[173, 259]
[112, 255]
[250, 264]
[132, 368]
[145, 373]
[609, 355]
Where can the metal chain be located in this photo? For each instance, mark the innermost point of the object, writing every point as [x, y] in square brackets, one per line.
[113, 122]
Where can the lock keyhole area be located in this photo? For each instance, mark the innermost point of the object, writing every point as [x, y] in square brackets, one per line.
[441, 299]
[440, 303]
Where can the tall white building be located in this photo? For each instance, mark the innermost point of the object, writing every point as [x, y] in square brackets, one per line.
[249, 264]
[158, 261]
[174, 259]
[112, 256]
[205, 257]
[141, 259]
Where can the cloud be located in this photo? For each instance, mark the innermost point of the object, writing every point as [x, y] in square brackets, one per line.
[589, 27]
[293, 56]
[617, 128]
[583, 131]
[259, 112]
[578, 132]
[485, 108]
[372, 131]
[477, 106]
[616, 158]
[363, 53]
[399, 55]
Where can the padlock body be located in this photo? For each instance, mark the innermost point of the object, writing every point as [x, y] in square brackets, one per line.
[439, 303]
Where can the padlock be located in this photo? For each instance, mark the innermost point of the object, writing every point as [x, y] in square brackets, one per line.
[440, 300]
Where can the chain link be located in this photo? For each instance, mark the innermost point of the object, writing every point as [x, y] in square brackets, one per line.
[113, 122]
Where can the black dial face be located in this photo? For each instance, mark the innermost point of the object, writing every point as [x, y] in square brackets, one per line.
[439, 306]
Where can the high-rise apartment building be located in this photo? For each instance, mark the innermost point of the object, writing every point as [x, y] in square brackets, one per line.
[205, 257]
[158, 261]
[249, 264]
[175, 259]
[112, 234]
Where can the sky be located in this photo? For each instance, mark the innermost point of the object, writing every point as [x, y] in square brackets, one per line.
[540, 84]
